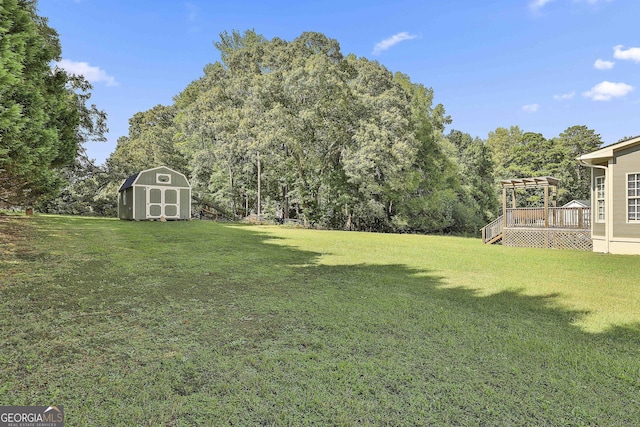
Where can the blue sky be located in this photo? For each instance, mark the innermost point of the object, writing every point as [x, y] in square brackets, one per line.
[544, 65]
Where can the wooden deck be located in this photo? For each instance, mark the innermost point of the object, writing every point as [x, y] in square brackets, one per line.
[530, 227]
[572, 218]
[540, 227]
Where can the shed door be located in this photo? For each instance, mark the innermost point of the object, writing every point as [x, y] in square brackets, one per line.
[163, 201]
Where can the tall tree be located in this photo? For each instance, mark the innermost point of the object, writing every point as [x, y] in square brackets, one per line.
[151, 142]
[520, 154]
[501, 143]
[43, 113]
[295, 129]
[575, 179]
[477, 175]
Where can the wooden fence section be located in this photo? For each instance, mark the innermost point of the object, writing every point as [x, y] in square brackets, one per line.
[566, 218]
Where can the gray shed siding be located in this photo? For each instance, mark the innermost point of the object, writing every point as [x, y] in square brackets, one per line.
[149, 177]
[154, 194]
[185, 203]
[125, 204]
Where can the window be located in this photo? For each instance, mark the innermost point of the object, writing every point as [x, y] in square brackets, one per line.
[124, 197]
[633, 197]
[600, 199]
[163, 178]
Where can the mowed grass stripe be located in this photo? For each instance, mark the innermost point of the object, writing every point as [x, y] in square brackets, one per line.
[198, 323]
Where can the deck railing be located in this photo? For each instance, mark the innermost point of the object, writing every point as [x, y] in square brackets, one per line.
[576, 218]
[492, 230]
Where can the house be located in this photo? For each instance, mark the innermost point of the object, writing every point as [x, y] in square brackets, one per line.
[158, 193]
[615, 197]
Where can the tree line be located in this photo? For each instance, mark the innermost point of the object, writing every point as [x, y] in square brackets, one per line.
[296, 129]
[44, 115]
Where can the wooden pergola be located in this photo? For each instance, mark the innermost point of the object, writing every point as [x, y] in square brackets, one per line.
[548, 183]
[539, 227]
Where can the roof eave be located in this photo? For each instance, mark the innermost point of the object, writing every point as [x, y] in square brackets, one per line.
[604, 154]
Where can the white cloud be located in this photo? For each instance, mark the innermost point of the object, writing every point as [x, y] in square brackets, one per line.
[92, 74]
[633, 53]
[538, 4]
[601, 64]
[530, 108]
[605, 91]
[593, 1]
[392, 41]
[564, 96]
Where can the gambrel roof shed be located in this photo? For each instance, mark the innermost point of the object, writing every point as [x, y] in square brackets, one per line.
[158, 193]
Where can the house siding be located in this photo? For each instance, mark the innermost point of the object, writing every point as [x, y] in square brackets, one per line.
[598, 228]
[626, 161]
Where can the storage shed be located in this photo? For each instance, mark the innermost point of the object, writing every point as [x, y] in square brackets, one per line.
[155, 194]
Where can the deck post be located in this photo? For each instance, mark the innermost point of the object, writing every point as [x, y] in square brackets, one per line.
[504, 206]
[546, 207]
[580, 218]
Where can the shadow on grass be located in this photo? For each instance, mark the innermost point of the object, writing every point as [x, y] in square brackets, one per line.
[183, 323]
[398, 276]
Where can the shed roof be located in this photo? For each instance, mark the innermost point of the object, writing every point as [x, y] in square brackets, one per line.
[134, 179]
[583, 203]
[129, 182]
[541, 181]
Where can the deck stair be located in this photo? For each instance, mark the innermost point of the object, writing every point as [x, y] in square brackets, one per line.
[492, 232]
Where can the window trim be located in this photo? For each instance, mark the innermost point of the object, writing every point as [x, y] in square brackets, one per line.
[636, 197]
[602, 199]
[163, 175]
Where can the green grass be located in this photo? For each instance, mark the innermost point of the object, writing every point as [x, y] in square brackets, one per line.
[198, 323]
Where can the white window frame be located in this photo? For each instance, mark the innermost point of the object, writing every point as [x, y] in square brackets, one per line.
[635, 196]
[163, 175]
[600, 196]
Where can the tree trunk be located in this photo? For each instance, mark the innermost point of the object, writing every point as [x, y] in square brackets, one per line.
[285, 202]
[259, 187]
[231, 196]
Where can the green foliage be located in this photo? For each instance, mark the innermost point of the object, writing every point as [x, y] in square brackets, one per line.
[89, 191]
[518, 154]
[43, 113]
[502, 143]
[297, 130]
[151, 142]
[340, 142]
[476, 170]
[575, 179]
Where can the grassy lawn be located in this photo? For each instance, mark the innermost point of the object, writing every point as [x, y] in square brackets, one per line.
[199, 323]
